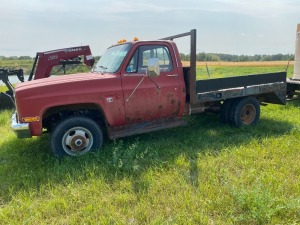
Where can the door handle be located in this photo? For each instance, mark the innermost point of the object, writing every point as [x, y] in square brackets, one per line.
[172, 75]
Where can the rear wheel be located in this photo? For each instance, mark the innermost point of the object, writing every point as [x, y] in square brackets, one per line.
[76, 135]
[225, 109]
[246, 111]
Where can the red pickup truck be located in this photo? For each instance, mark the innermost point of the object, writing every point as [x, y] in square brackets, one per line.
[136, 87]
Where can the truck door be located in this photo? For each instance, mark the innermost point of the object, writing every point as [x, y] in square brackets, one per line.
[151, 98]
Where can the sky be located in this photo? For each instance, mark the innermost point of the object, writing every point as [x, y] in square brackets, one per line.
[243, 27]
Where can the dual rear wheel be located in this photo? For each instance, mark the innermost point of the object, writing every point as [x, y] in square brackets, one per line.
[240, 112]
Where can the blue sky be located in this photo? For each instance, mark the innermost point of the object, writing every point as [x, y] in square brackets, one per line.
[223, 26]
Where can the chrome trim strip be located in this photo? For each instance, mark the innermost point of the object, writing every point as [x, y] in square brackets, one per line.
[172, 75]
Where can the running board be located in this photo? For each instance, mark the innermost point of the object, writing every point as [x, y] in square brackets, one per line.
[144, 127]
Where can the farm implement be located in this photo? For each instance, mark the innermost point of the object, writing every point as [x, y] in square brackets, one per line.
[42, 67]
[6, 99]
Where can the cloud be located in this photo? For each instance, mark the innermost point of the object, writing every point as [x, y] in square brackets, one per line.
[259, 8]
[103, 8]
[43, 25]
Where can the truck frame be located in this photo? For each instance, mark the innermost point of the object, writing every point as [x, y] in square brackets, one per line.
[136, 87]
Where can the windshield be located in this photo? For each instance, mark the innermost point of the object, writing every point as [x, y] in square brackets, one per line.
[112, 59]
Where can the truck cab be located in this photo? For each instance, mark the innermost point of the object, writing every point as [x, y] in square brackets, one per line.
[151, 96]
[134, 88]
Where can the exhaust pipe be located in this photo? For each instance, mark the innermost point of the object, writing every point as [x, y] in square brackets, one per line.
[296, 75]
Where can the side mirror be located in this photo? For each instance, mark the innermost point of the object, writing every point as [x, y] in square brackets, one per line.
[153, 69]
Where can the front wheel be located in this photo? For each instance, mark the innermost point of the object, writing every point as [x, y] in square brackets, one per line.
[76, 135]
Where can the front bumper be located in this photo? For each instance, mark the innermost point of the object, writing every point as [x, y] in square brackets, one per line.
[21, 129]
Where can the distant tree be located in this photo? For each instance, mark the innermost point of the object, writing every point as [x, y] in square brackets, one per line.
[12, 57]
[212, 57]
[202, 56]
[25, 58]
[183, 57]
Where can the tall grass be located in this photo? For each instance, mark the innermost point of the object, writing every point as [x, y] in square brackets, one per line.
[203, 173]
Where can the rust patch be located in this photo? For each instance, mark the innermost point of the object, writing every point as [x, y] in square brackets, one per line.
[134, 120]
[175, 113]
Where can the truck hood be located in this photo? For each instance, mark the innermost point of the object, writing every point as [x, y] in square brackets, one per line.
[34, 98]
[63, 79]
[67, 89]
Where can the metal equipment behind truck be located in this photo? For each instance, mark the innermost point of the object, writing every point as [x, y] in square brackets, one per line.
[293, 84]
[42, 67]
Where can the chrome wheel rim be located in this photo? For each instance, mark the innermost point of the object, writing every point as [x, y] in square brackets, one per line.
[77, 141]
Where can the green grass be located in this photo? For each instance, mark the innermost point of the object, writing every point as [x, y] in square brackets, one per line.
[203, 173]
[2, 88]
[225, 71]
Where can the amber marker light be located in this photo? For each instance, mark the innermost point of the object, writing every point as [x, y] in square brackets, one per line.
[122, 41]
[31, 119]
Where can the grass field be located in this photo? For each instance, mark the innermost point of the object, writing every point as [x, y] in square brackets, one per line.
[203, 173]
[210, 70]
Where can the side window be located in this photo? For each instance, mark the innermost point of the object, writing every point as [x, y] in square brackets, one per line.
[139, 61]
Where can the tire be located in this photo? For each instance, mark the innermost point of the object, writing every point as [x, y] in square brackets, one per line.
[231, 110]
[225, 108]
[245, 112]
[75, 136]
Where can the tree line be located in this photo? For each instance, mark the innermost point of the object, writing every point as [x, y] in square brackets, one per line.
[27, 58]
[202, 56]
[16, 58]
